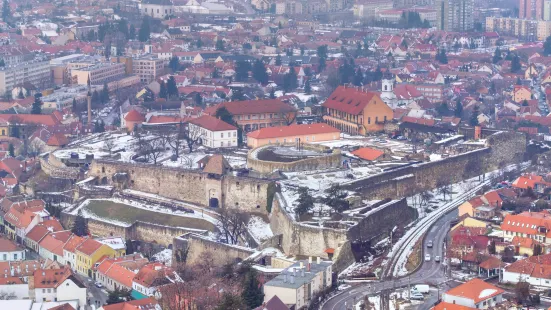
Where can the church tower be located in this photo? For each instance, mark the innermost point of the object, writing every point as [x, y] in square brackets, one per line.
[89, 98]
[387, 90]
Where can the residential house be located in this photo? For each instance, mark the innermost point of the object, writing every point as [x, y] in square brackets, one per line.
[294, 133]
[22, 217]
[535, 270]
[10, 251]
[255, 114]
[88, 253]
[273, 304]
[474, 294]
[35, 235]
[118, 273]
[521, 93]
[355, 111]
[527, 246]
[534, 225]
[116, 243]
[15, 287]
[141, 304]
[149, 278]
[69, 250]
[369, 154]
[534, 182]
[51, 246]
[299, 283]
[58, 285]
[213, 132]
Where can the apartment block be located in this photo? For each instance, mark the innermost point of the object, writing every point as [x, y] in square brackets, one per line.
[148, 68]
[98, 74]
[526, 29]
[36, 72]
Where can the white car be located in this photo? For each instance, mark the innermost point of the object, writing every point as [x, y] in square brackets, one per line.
[437, 258]
[427, 257]
[417, 296]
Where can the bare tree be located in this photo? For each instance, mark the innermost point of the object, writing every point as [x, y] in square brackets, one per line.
[288, 117]
[192, 135]
[177, 139]
[109, 145]
[233, 224]
[34, 148]
[186, 162]
[426, 196]
[7, 295]
[155, 148]
[444, 186]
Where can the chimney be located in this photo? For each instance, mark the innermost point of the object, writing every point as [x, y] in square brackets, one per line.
[292, 279]
[309, 259]
[294, 272]
[302, 272]
[284, 277]
[308, 266]
[301, 265]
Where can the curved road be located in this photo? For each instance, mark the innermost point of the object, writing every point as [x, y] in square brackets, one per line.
[429, 272]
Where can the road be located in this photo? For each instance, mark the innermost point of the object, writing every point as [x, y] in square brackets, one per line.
[96, 296]
[430, 272]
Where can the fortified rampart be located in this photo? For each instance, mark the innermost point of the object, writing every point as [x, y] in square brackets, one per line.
[142, 231]
[499, 150]
[192, 186]
[56, 169]
[324, 161]
[300, 239]
[194, 245]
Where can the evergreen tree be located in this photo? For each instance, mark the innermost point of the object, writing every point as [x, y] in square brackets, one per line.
[21, 95]
[198, 99]
[290, 80]
[492, 89]
[2, 62]
[242, 69]
[6, 11]
[113, 297]
[252, 294]
[80, 226]
[307, 87]
[474, 116]
[272, 93]
[519, 81]
[132, 33]
[163, 93]
[547, 46]
[322, 51]
[37, 104]
[171, 87]
[301, 50]
[443, 57]
[74, 105]
[515, 64]
[145, 31]
[11, 150]
[237, 94]
[458, 108]
[174, 63]
[199, 43]
[130, 247]
[230, 302]
[278, 60]
[378, 75]
[259, 72]
[219, 45]
[215, 74]
[305, 201]
[358, 78]
[224, 115]
[105, 94]
[497, 56]
[321, 64]
[122, 27]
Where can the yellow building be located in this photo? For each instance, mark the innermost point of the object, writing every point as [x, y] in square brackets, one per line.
[521, 93]
[470, 222]
[88, 253]
[98, 74]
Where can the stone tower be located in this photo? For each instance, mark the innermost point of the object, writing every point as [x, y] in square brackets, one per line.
[387, 90]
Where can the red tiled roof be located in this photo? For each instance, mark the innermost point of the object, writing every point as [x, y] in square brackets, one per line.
[368, 153]
[134, 116]
[476, 290]
[149, 273]
[292, 130]
[54, 242]
[449, 306]
[141, 304]
[422, 121]
[57, 139]
[51, 278]
[350, 100]
[211, 123]
[254, 107]
[527, 223]
[89, 246]
[116, 272]
[7, 245]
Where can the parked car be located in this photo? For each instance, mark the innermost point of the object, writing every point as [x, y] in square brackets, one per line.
[437, 258]
[417, 296]
[427, 257]
[420, 288]
[98, 285]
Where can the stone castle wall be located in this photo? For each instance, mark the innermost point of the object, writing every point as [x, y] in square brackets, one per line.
[500, 149]
[192, 186]
[142, 231]
[221, 253]
[56, 169]
[325, 161]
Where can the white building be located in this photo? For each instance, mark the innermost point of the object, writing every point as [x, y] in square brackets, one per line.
[297, 284]
[14, 287]
[58, 285]
[10, 251]
[213, 132]
[534, 270]
[474, 294]
[157, 8]
[36, 72]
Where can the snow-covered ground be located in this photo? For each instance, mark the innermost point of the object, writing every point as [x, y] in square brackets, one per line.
[165, 256]
[259, 229]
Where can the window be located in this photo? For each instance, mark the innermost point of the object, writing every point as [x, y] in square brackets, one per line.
[385, 118]
[49, 290]
[376, 119]
[369, 120]
[222, 135]
[15, 256]
[234, 134]
[5, 257]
